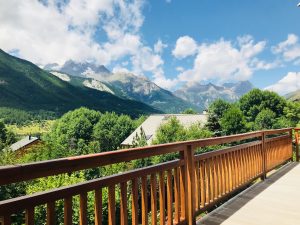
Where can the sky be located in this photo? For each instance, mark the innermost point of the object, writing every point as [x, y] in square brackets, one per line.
[172, 42]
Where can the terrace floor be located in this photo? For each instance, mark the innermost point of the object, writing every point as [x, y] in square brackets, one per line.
[273, 201]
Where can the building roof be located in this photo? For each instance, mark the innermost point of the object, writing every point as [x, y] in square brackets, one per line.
[152, 123]
[23, 143]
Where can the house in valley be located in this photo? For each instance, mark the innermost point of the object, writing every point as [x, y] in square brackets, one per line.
[153, 122]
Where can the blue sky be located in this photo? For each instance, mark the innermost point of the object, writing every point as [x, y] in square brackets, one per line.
[172, 42]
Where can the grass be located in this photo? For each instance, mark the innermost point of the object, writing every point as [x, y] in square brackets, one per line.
[33, 128]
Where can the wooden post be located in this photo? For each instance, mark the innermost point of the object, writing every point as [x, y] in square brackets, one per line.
[190, 167]
[264, 156]
[297, 145]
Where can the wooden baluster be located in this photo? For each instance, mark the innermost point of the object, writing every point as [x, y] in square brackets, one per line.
[202, 184]
[153, 200]
[183, 188]
[234, 170]
[6, 220]
[246, 164]
[68, 211]
[169, 197]
[207, 181]
[211, 179]
[111, 205]
[238, 166]
[83, 209]
[222, 173]
[98, 206]
[216, 178]
[29, 216]
[51, 213]
[134, 198]
[230, 177]
[144, 201]
[176, 196]
[219, 176]
[196, 198]
[190, 167]
[123, 204]
[162, 207]
[226, 174]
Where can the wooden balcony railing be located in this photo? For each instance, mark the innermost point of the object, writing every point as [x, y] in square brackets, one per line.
[175, 192]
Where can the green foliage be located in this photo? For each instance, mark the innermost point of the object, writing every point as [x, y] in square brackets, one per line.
[7, 137]
[265, 119]
[216, 111]
[171, 131]
[233, 121]
[140, 139]
[292, 112]
[257, 100]
[111, 130]
[189, 111]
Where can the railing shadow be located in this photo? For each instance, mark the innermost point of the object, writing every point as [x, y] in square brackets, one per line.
[225, 211]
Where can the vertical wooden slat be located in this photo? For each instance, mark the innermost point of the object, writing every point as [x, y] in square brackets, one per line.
[207, 181]
[183, 188]
[190, 184]
[215, 176]
[153, 200]
[202, 184]
[68, 211]
[211, 179]
[176, 195]
[50, 213]
[83, 209]
[98, 206]
[144, 201]
[29, 216]
[6, 220]
[196, 197]
[169, 197]
[123, 204]
[111, 205]
[162, 215]
[134, 199]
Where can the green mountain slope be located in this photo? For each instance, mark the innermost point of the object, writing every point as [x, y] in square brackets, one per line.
[23, 85]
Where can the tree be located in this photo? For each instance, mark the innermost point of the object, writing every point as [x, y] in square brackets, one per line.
[265, 120]
[111, 130]
[74, 126]
[257, 100]
[233, 121]
[292, 112]
[171, 131]
[216, 111]
[140, 139]
[189, 111]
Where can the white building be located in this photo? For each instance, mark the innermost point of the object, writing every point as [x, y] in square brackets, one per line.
[153, 122]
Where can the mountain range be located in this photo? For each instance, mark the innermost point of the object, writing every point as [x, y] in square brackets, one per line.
[25, 86]
[202, 95]
[56, 88]
[127, 85]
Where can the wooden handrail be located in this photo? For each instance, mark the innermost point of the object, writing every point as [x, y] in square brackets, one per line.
[23, 172]
[178, 190]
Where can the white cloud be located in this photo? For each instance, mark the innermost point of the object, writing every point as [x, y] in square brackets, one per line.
[57, 30]
[159, 46]
[180, 68]
[224, 61]
[185, 46]
[288, 49]
[289, 83]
